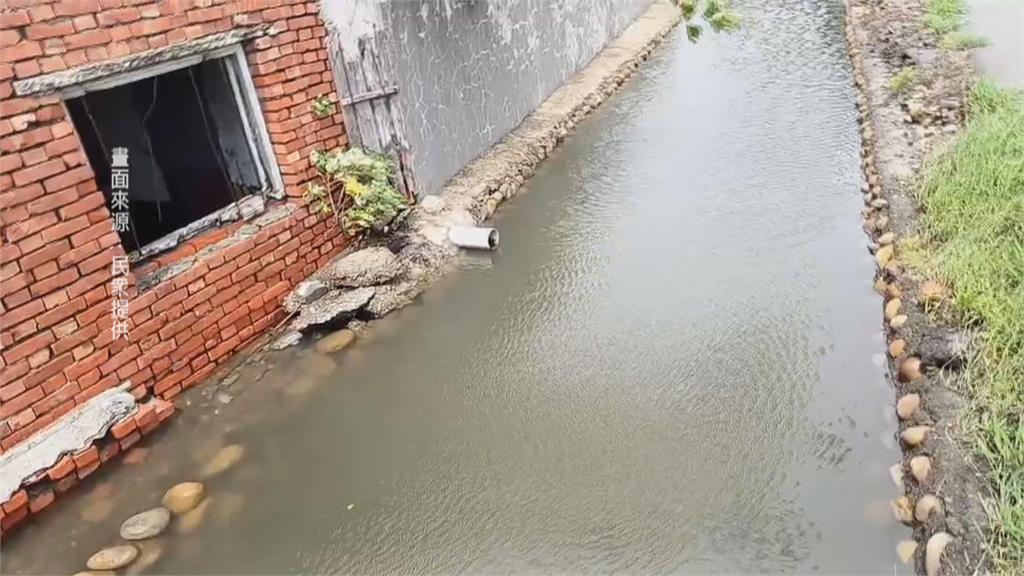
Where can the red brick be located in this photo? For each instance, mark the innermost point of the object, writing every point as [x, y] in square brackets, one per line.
[18, 500]
[63, 467]
[130, 440]
[86, 457]
[41, 501]
[109, 450]
[41, 31]
[38, 172]
[123, 428]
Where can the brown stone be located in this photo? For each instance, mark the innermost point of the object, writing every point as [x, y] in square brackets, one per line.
[907, 405]
[910, 370]
[886, 239]
[933, 552]
[892, 308]
[183, 497]
[932, 291]
[893, 291]
[901, 509]
[898, 321]
[905, 551]
[897, 347]
[884, 255]
[925, 506]
[914, 435]
[920, 466]
[335, 341]
[112, 558]
[188, 523]
[880, 285]
[97, 511]
[224, 459]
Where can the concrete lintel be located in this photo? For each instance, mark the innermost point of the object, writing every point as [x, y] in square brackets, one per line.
[109, 73]
[75, 431]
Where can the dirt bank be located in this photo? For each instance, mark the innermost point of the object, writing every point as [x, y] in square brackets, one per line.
[907, 117]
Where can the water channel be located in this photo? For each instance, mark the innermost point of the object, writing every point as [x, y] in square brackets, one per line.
[672, 365]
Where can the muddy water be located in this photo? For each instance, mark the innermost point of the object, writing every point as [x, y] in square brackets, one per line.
[671, 365]
[1001, 22]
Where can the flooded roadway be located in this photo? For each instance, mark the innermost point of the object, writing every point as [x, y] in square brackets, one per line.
[670, 366]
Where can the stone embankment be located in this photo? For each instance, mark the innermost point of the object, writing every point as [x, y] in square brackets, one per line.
[942, 486]
[386, 275]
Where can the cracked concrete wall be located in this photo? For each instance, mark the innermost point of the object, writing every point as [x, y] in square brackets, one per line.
[468, 71]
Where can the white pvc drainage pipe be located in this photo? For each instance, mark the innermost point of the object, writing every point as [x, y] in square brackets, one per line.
[472, 237]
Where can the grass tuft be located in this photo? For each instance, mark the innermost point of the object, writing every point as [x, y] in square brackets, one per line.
[944, 16]
[958, 40]
[973, 199]
[903, 80]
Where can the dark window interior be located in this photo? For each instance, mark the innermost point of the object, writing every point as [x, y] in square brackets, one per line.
[188, 153]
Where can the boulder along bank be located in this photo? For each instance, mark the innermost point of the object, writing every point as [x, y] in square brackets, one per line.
[942, 483]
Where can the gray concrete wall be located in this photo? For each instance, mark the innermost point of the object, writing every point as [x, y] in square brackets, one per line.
[468, 71]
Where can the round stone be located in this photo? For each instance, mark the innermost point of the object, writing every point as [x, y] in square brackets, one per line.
[146, 524]
[880, 285]
[97, 511]
[183, 497]
[907, 405]
[892, 308]
[901, 509]
[897, 347]
[150, 555]
[335, 341]
[925, 506]
[886, 239]
[884, 255]
[932, 291]
[898, 321]
[191, 521]
[893, 291]
[914, 435]
[933, 552]
[112, 558]
[920, 466]
[905, 551]
[225, 458]
[910, 370]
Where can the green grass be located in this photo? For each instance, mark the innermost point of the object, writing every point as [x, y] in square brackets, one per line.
[946, 18]
[973, 234]
[903, 80]
[958, 40]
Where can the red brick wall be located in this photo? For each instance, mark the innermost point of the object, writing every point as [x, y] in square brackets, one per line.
[57, 238]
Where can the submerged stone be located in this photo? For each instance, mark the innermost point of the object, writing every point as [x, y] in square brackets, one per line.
[150, 555]
[901, 510]
[183, 497]
[224, 459]
[905, 551]
[148, 524]
[335, 341]
[112, 558]
[193, 518]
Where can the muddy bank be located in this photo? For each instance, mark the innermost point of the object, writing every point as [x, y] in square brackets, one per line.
[944, 485]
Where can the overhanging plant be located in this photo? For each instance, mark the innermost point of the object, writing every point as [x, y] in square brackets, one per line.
[357, 188]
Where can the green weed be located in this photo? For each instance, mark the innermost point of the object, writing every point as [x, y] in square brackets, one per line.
[973, 199]
[903, 80]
